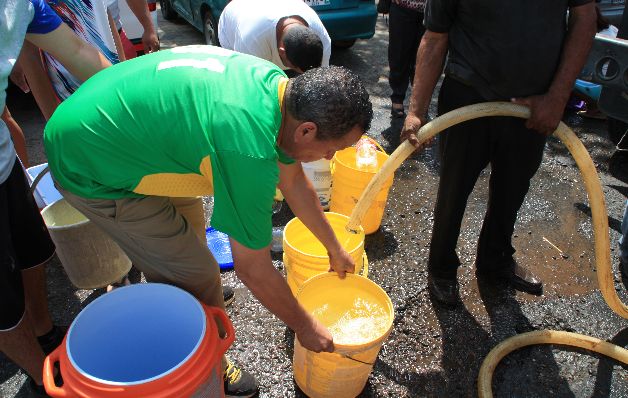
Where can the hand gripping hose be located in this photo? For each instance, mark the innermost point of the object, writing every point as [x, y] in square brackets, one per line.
[599, 220]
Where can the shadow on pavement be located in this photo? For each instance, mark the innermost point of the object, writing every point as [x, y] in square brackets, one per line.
[604, 377]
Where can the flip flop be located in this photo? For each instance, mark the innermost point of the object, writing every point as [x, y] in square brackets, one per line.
[397, 112]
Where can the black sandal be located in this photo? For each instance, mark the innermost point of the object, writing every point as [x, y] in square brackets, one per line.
[52, 339]
[397, 113]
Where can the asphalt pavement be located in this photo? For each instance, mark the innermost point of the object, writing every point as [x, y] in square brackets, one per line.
[433, 351]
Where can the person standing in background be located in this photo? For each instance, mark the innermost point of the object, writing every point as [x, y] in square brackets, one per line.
[405, 29]
[140, 10]
[525, 51]
[26, 330]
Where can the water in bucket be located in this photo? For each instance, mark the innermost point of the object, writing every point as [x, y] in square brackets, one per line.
[358, 323]
[366, 155]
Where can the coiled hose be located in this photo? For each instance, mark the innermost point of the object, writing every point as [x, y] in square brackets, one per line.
[599, 220]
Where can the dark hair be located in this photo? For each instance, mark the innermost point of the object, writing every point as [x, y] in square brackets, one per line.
[304, 49]
[333, 98]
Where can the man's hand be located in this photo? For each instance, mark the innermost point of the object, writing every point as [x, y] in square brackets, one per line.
[411, 127]
[315, 337]
[341, 262]
[150, 41]
[546, 112]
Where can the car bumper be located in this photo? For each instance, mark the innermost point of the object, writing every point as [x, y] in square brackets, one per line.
[350, 23]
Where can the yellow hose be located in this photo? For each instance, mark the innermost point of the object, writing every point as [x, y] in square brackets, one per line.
[542, 337]
[599, 220]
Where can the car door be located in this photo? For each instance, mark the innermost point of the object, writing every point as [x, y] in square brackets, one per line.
[183, 8]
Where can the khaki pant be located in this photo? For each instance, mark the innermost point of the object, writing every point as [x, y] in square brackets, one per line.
[163, 237]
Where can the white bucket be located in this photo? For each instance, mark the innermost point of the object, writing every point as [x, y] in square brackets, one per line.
[89, 256]
[319, 174]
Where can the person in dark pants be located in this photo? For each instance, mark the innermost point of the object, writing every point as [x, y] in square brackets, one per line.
[405, 29]
[524, 51]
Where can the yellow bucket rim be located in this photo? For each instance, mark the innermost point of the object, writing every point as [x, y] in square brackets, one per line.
[294, 249]
[391, 313]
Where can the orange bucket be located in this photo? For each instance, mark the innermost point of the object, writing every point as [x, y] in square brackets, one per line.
[147, 340]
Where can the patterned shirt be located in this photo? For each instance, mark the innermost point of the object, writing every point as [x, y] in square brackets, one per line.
[418, 5]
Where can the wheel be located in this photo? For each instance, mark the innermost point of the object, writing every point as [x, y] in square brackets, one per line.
[210, 29]
[343, 44]
[167, 11]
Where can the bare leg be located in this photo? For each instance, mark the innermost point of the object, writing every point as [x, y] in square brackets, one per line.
[19, 141]
[34, 280]
[20, 345]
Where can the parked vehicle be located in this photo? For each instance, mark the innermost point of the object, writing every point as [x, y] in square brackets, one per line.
[131, 25]
[202, 14]
[345, 20]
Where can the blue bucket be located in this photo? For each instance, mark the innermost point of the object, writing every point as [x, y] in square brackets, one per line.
[136, 334]
[146, 340]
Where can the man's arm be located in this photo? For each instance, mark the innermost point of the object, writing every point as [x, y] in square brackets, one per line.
[429, 65]
[38, 80]
[256, 271]
[80, 59]
[116, 38]
[547, 109]
[149, 38]
[303, 201]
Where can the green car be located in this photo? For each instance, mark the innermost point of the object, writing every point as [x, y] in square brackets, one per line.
[345, 20]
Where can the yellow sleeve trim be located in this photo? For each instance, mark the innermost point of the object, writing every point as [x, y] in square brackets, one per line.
[283, 83]
[179, 185]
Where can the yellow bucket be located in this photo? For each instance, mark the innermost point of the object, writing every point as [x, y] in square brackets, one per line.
[304, 256]
[348, 183]
[359, 314]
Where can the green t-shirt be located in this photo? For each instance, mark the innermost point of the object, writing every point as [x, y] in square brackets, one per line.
[191, 121]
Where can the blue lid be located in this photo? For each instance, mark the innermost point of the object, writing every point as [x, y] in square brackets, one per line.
[220, 247]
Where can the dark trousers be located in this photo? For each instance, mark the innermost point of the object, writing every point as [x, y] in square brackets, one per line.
[405, 29]
[514, 154]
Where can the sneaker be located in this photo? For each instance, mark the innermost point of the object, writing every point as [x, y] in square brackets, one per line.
[228, 295]
[239, 383]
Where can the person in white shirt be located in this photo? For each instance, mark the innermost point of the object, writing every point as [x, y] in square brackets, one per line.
[287, 33]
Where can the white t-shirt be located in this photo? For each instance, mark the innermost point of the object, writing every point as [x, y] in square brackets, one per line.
[249, 26]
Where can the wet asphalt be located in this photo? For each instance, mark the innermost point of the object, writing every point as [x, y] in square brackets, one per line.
[433, 351]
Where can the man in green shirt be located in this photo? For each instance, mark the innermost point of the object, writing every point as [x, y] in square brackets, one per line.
[203, 120]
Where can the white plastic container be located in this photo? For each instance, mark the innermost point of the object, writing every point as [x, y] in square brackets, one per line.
[89, 256]
[319, 174]
[45, 192]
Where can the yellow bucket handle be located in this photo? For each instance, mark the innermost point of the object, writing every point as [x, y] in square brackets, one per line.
[365, 266]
